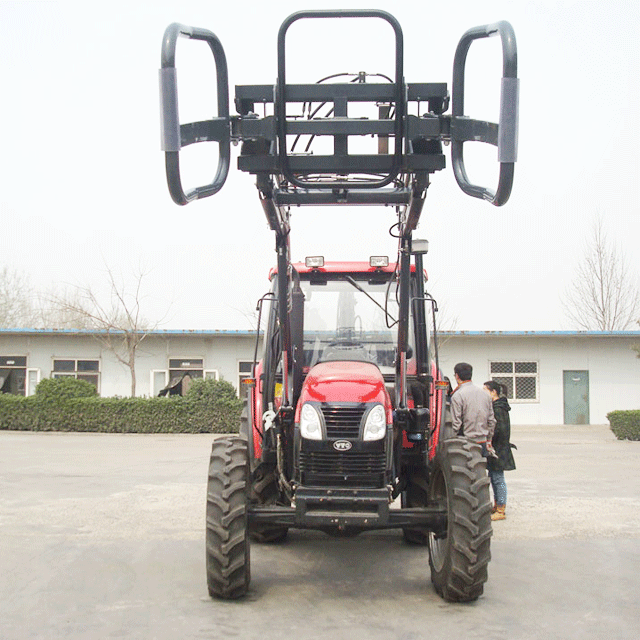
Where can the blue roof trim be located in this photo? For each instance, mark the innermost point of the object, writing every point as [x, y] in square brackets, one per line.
[245, 333]
[155, 332]
[544, 334]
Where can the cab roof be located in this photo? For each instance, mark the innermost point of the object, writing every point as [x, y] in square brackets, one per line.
[351, 268]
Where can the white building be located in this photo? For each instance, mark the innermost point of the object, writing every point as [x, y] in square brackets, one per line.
[553, 377]
[556, 377]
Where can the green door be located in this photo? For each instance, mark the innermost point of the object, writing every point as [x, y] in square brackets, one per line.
[576, 397]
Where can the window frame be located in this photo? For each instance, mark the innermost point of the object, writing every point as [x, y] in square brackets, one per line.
[153, 392]
[514, 376]
[29, 391]
[241, 375]
[188, 361]
[77, 373]
[19, 364]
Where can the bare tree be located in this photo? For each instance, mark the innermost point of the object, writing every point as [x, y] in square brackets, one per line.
[446, 324]
[604, 294]
[59, 309]
[16, 300]
[117, 320]
[21, 306]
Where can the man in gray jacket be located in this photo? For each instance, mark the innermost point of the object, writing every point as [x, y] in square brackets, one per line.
[472, 410]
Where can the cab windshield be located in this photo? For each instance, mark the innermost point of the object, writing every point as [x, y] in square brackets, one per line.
[348, 319]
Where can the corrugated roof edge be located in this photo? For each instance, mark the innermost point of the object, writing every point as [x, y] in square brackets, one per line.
[544, 334]
[246, 332]
[155, 332]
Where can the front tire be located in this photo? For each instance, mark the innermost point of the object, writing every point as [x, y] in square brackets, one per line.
[459, 559]
[265, 491]
[227, 538]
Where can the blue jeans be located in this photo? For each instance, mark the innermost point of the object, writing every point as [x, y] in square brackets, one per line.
[499, 487]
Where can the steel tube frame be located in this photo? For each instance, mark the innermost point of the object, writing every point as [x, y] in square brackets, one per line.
[398, 98]
[507, 128]
[175, 136]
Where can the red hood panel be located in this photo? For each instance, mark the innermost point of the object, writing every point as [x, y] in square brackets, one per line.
[344, 382]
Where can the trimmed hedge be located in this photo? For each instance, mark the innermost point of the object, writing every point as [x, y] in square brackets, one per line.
[66, 388]
[212, 408]
[625, 424]
[209, 391]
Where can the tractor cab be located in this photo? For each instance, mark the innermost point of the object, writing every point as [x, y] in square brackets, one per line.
[349, 427]
[350, 314]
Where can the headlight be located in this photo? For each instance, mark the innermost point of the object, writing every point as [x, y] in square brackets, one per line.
[375, 426]
[310, 423]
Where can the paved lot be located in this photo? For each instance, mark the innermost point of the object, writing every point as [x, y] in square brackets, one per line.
[101, 536]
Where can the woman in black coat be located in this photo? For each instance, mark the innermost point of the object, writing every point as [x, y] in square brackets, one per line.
[504, 462]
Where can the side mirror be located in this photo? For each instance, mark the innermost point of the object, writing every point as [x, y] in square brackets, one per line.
[176, 136]
[505, 134]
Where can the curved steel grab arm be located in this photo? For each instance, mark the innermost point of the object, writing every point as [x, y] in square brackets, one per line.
[174, 136]
[507, 138]
[398, 97]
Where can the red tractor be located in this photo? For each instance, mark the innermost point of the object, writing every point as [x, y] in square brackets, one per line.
[344, 427]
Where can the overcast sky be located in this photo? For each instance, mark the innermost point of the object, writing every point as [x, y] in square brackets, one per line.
[83, 182]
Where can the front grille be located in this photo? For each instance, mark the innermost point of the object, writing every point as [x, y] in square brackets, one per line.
[343, 421]
[353, 468]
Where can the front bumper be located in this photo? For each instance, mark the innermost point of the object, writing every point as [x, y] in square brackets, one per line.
[347, 509]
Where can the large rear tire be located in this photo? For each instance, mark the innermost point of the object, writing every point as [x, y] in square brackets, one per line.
[227, 538]
[459, 559]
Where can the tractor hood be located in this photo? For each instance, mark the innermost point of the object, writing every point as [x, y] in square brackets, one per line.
[344, 381]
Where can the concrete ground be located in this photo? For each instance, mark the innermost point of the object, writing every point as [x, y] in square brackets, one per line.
[102, 536]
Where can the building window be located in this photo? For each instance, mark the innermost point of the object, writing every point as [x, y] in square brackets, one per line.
[178, 367]
[158, 382]
[87, 370]
[182, 371]
[33, 378]
[245, 368]
[177, 380]
[13, 374]
[519, 377]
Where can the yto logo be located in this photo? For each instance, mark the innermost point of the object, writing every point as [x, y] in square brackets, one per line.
[342, 445]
